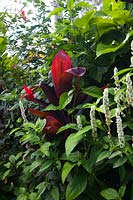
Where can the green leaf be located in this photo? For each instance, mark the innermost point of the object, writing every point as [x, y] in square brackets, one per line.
[6, 174]
[93, 91]
[103, 155]
[123, 71]
[119, 162]
[65, 99]
[45, 166]
[32, 196]
[22, 197]
[41, 188]
[109, 194]
[55, 193]
[66, 170]
[111, 48]
[122, 190]
[51, 107]
[76, 187]
[12, 159]
[45, 148]
[83, 4]
[67, 126]
[114, 154]
[56, 11]
[35, 164]
[40, 124]
[70, 4]
[74, 139]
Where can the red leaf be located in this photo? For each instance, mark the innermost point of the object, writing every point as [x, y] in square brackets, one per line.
[37, 112]
[60, 64]
[50, 93]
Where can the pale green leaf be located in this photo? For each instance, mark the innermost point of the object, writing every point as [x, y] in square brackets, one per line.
[119, 162]
[109, 194]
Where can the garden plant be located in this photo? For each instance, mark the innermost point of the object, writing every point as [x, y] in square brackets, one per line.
[66, 102]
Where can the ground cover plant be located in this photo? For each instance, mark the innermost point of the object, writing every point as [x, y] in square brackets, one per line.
[72, 137]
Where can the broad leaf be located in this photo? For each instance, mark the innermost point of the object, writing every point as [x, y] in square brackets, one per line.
[75, 138]
[76, 187]
[111, 48]
[109, 194]
[66, 170]
[93, 91]
[65, 99]
[103, 155]
[66, 127]
[122, 190]
[119, 162]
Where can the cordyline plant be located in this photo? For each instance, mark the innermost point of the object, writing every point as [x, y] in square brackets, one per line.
[62, 90]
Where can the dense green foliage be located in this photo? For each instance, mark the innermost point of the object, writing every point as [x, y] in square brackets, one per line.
[95, 160]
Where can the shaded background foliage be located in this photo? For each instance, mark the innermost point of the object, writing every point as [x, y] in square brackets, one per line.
[32, 167]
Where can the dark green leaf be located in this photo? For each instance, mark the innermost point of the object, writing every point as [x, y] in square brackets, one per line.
[76, 187]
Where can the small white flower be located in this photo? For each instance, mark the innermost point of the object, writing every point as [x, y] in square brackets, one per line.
[120, 131]
[79, 122]
[106, 107]
[22, 111]
[93, 122]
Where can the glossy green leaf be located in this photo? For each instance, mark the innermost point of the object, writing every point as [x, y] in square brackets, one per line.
[111, 48]
[75, 138]
[67, 126]
[114, 154]
[67, 167]
[65, 99]
[93, 91]
[119, 162]
[76, 187]
[109, 194]
[103, 155]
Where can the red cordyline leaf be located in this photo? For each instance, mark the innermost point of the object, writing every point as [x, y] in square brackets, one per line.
[29, 93]
[52, 124]
[62, 81]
